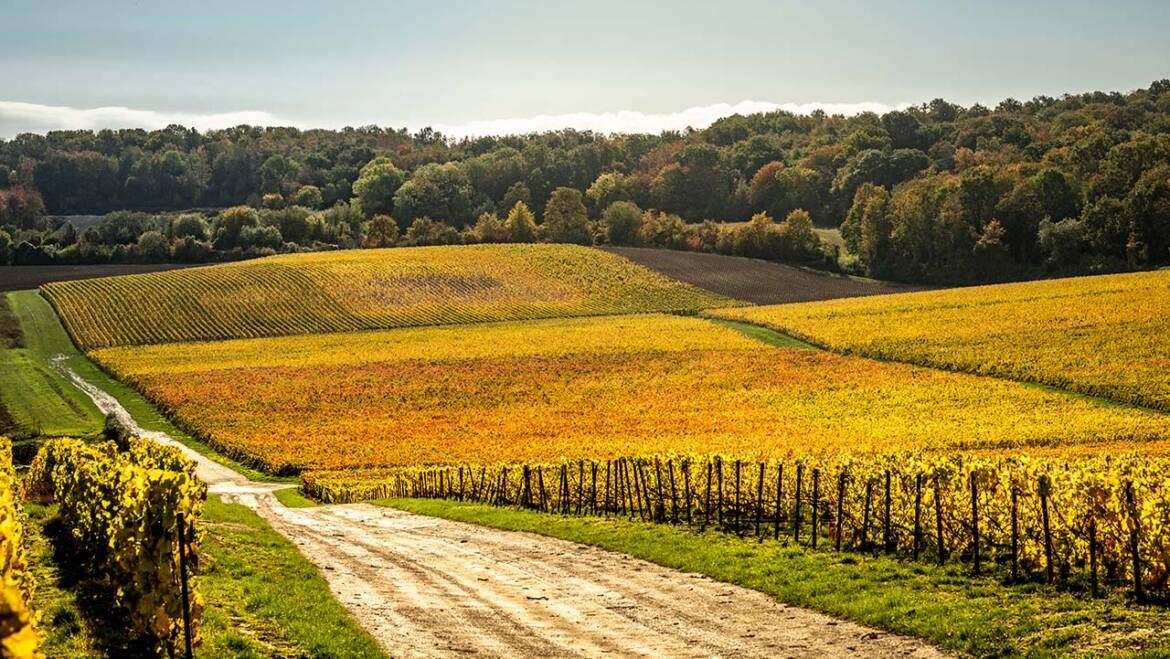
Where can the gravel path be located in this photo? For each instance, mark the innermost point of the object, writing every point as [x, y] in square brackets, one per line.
[427, 587]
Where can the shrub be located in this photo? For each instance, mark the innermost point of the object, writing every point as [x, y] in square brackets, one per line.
[122, 507]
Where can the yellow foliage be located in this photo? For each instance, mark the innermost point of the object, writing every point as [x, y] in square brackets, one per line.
[546, 391]
[364, 289]
[123, 507]
[1104, 336]
[18, 635]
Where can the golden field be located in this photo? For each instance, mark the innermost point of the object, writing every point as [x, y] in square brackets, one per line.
[544, 390]
[1105, 336]
[364, 289]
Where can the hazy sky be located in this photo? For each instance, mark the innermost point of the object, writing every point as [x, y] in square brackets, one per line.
[213, 62]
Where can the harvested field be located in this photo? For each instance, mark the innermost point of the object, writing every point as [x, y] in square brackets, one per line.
[753, 280]
[21, 277]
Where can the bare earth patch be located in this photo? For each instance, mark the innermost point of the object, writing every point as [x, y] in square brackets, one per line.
[753, 280]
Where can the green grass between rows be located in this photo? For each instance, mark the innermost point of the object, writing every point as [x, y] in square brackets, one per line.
[942, 605]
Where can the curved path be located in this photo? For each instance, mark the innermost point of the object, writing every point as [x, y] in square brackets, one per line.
[426, 587]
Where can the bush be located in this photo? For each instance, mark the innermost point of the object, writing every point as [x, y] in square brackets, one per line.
[122, 507]
[18, 636]
[425, 231]
[621, 222]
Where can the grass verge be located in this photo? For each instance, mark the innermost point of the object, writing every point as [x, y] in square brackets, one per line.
[34, 399]
[291, 497]
[942, 605]
[764, 334]
[266, 599]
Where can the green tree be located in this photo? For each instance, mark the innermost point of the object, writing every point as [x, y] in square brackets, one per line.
[489, 228]
[376, 186]
[276, 174]
[605, 190]
[798, 240]
[190, 225]
[230, 223]
[565, 217]
[521, 223]
[436, 191]
[621, 221]
[382, 231]
[309, 196]
[153, 247]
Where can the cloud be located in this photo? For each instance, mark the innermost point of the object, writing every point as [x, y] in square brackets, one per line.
[16, 117]
[629, 121]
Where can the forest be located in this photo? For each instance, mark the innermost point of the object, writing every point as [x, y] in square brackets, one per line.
[935, 193]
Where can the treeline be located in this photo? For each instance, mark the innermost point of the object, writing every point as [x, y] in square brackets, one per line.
[937, 192]
[243, 232]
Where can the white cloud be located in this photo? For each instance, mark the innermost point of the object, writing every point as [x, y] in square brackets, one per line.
[16, 117]
[629, 121]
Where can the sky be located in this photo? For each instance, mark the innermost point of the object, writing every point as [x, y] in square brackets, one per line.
[484, 67]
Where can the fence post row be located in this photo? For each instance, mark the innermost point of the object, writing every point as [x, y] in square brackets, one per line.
[628, 489]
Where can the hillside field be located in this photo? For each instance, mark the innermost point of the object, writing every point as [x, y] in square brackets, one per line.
[1105, 336]
[596, 387]
[365, 289]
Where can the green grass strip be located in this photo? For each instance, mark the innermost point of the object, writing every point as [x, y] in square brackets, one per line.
[265, 598]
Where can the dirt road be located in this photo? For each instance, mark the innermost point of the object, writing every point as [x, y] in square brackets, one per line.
[426, 587]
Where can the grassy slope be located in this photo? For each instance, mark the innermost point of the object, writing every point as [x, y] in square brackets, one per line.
[769, 336]
[942, 605]
[36, 399]
[263, 598]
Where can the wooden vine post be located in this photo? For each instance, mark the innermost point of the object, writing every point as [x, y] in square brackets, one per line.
[841, 507]
[760, 500]
[887, 529]
[187, 640]
[1134, 538]
[975, 521]
[816, 505]
[796, 512]
[779, 500]
[917, 515]
[1044, 490]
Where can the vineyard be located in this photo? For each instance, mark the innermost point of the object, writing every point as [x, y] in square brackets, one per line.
[132, 509]
[1093, 524]
[565, 380]
[365, 289]
[1104, 336]
[18, 634]
[597, 388]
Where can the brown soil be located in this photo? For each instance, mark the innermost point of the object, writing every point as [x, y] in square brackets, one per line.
[21, 277]
[753, 280]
